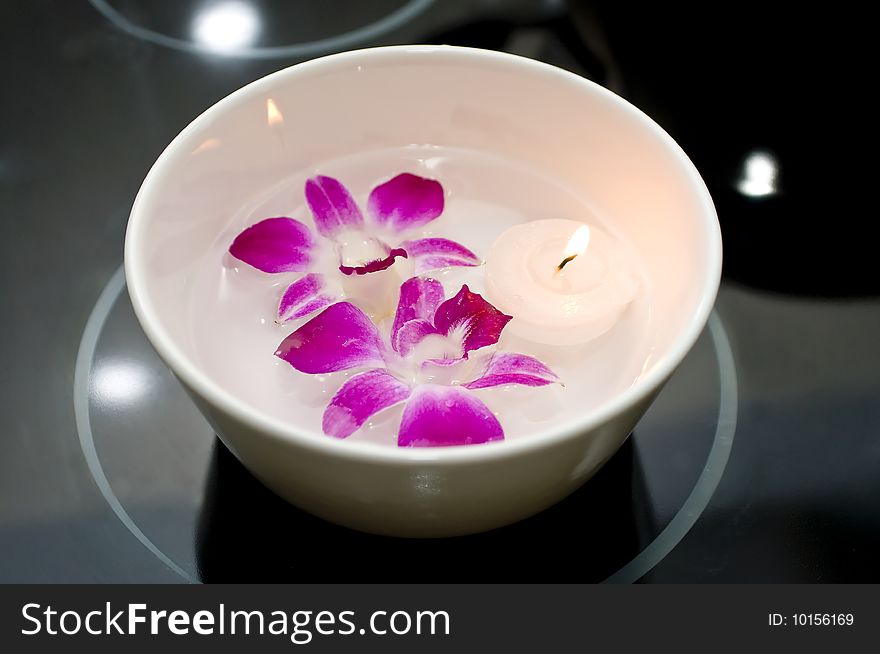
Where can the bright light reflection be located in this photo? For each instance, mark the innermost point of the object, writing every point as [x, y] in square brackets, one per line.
[760, 175]
[273, 114]
[226, 26]
[121, 381]
[208, 144]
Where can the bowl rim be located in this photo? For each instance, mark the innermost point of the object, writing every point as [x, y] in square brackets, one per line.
[214, 394]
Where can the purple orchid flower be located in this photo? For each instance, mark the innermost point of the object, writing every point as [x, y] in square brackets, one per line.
[400, 205]
[429, 334]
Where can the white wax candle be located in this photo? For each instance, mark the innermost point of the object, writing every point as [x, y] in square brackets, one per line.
[556, 305]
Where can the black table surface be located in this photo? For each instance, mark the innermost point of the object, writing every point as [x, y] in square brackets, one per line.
[88, 105]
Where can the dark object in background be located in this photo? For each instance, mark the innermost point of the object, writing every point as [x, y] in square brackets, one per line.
[747, 87]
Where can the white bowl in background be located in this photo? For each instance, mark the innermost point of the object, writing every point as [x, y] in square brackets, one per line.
[562, 124]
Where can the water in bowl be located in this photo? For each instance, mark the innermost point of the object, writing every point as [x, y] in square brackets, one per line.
[233, 305]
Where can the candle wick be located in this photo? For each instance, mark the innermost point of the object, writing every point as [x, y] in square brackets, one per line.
[564, 261]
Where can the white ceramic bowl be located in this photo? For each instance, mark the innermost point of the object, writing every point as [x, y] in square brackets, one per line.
[568, 127]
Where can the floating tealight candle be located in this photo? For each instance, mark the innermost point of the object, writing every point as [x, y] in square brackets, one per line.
[563, 281]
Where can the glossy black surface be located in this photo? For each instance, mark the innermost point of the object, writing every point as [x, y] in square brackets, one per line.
[729, 79]
[236, 542]
[281, 23]
[88, 107]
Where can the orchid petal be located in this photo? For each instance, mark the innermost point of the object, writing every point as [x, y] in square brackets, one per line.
[433, 253]
[446, 415]
[478, 322]
[511, 368]
[339, 338]
[411, 334]
[332, 206]
[442, 363]
[359, 398]
[419, 299]
[274, 245]
[374, 266]
[303, 297]
[406, 201]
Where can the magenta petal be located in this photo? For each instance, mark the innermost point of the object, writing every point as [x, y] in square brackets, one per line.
[303, 297]
[405, 202]
[362, 396]
[433, 253]
[446, 415]
[511, 368]
[478, 323]
[274, 245]
[332, 206]
[419, 299]
[339, 338]
[411, 334]
[374, 266]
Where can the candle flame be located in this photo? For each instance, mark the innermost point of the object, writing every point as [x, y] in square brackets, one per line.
[578, 243]
[273, 114]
